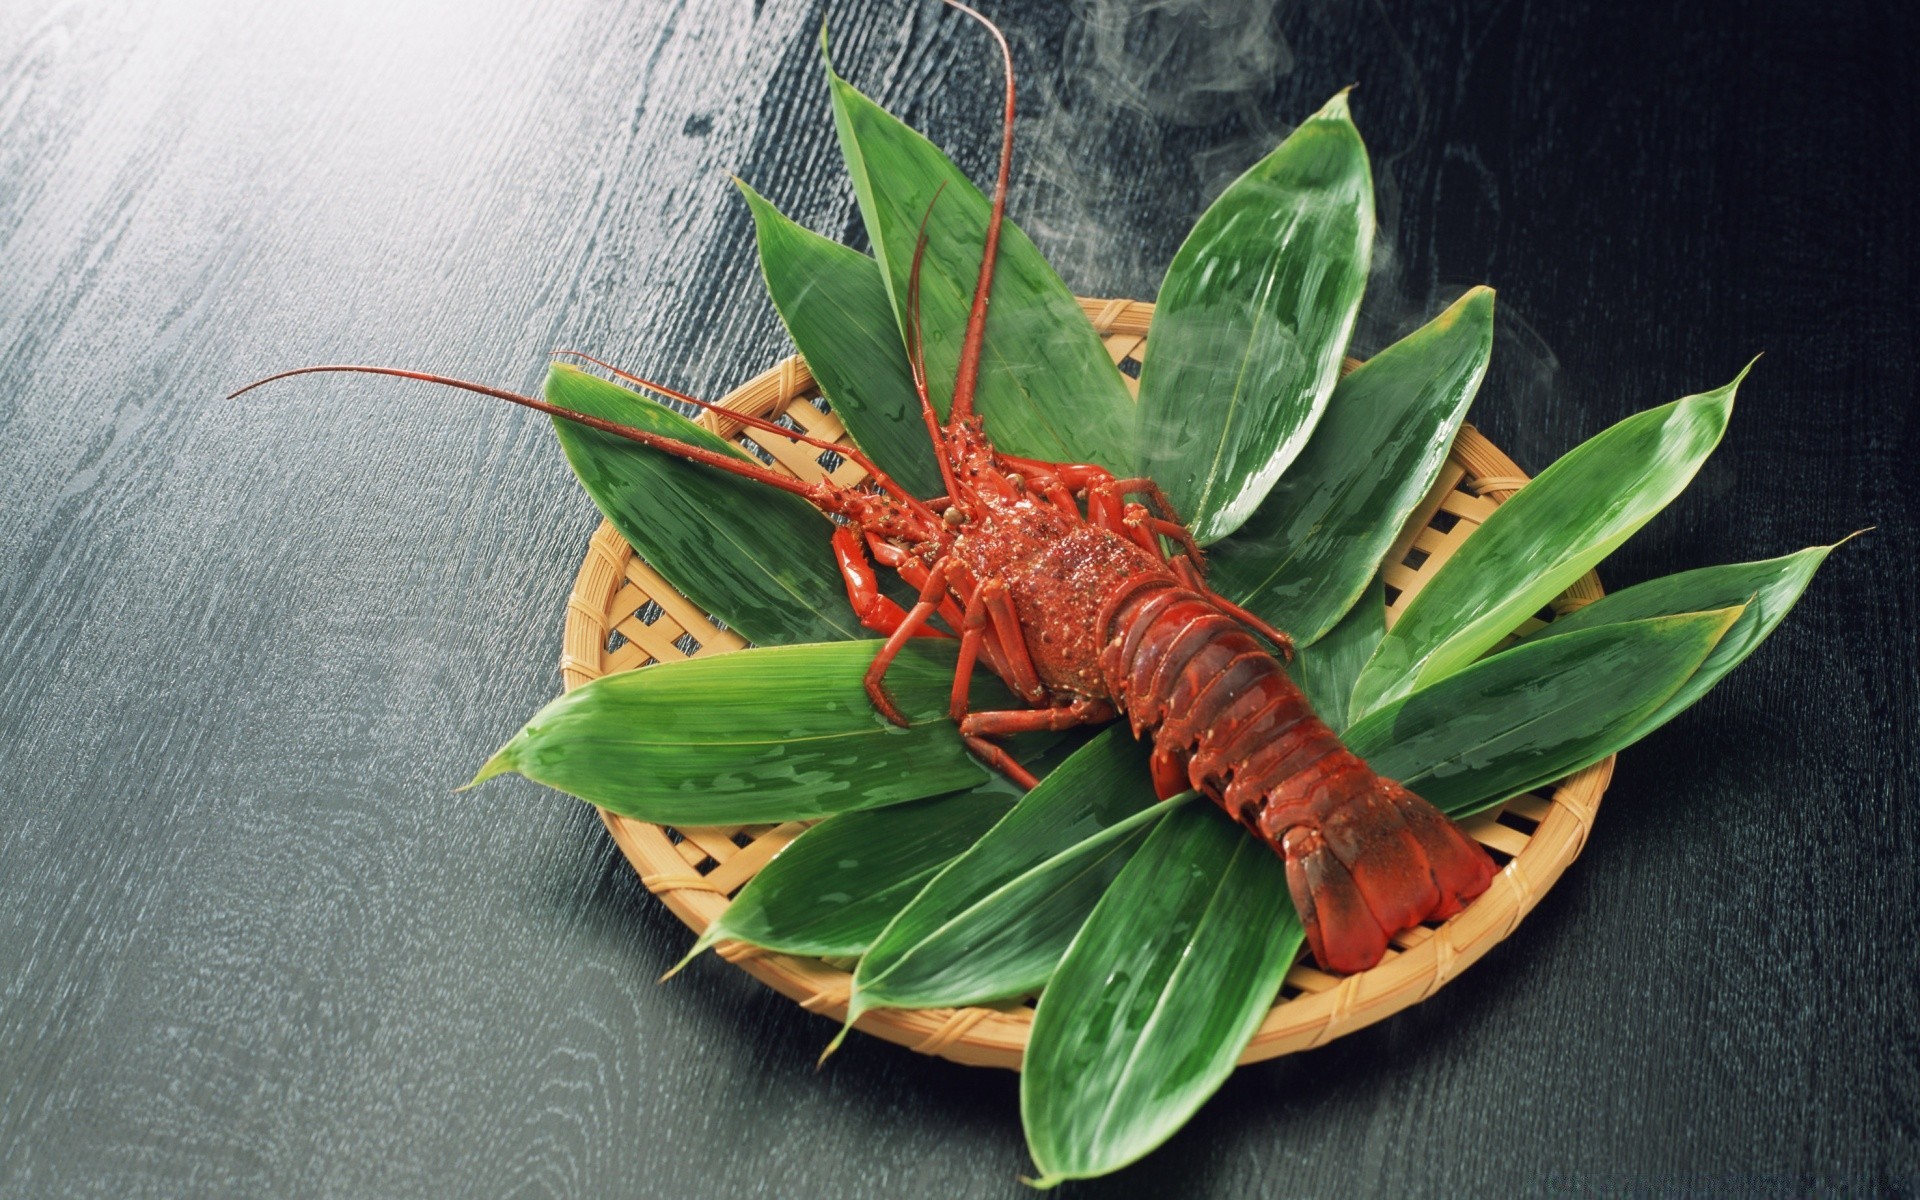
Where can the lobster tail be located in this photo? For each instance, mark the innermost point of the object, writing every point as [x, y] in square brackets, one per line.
[1380, 860]
[1365, 857]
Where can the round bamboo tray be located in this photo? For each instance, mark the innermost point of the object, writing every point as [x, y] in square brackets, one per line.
[623, 615]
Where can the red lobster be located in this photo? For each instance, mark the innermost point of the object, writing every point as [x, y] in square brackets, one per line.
[1086, 615]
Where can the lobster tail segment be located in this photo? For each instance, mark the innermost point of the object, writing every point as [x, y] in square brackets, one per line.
[1380, 861]
[1365, 857]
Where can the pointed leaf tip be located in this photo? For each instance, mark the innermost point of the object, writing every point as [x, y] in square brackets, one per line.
[1741, 377]
[1251, 323]
[1336, 109]
[1573, 514]
[853, 1014]
[1046, 386]
[499, 764]
[1478, 300]
[1724, 394]
[1728, 615]
[705, 941]
[1308, 550]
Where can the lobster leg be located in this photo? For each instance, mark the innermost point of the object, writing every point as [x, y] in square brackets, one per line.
[1021, 672]
[1134, 525]
[976, 727]
[931, 594]
[973, 631]
[875, 610]
[1003, 722]
[981, 635]
[973, 637]
[1108, 508]
[1105, 496]
[1163, 521]
[912, 570]
[998, 758]
[1056, 491]
[1056, 481]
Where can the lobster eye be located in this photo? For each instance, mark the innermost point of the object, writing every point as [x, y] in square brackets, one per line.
[954, 517]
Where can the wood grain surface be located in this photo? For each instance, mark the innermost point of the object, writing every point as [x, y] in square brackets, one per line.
[252, 945]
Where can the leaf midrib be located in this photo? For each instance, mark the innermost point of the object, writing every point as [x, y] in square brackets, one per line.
[878, 731]
[1167, 989]
[1110, 833]
[958, 290]
[1270, 278]
[726, 530]
[1562, 707]
[1095, 857]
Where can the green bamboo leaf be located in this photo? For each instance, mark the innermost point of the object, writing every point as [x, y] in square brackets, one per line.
[835, 305]
[1549, 534]
[1326, 670]
[1252, 321]
[777, 734]
[835, 888]
[1304, 556]
[753, 556]
[1535, 713]
[993, 924]
[1768, 590]
[1047, 387]
[1151, 1006]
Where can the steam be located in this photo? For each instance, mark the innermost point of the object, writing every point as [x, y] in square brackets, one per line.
[1157, 105]
[1138, 77]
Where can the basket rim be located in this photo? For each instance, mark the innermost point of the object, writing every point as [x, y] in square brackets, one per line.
[1328, 1007]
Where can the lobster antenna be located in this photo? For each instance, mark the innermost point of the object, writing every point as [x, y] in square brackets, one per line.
[854, 453]
[820, 495]
[968, 374]
[916, 353]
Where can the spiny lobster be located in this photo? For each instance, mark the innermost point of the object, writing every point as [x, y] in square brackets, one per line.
[1086, 615]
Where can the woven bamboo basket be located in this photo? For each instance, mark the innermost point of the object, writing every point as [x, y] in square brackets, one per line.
[623, 615]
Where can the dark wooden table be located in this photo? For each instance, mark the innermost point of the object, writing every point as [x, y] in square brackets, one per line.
[252, 945]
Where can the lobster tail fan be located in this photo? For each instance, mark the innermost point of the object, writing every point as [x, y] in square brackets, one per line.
[1342, 931]
[1460, 867]
[1381, 861]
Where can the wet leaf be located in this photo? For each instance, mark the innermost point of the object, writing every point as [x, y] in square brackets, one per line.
[1252, 321]
[835, 888]
[1304, 556]
[835, 306]
[755, 557]
[776, 734]
[1535, 713]
[1551, 532]
[1768, 590]
[1326, 670]
[1047, 387]
[994, 923]
[1167, 981]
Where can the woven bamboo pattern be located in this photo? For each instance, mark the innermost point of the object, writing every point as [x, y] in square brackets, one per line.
[623, 615]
